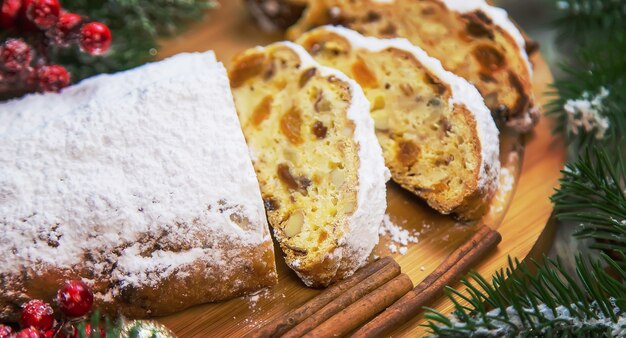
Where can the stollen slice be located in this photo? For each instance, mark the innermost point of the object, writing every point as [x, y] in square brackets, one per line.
[438, 137]
[471, 38]
[319, 165]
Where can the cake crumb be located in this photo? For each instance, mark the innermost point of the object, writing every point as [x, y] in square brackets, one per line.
[422, 268]
[253, 298]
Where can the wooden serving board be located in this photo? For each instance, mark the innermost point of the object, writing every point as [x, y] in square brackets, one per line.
[520, 212]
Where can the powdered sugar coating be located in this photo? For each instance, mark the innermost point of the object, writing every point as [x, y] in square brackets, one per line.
[463, 93]
[93, 178]
[362, 235]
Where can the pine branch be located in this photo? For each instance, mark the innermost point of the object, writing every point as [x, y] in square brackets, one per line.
[135, 24]
[548, 303]
[592, 194]
[596, 31]
[589, 19]
[598, 68]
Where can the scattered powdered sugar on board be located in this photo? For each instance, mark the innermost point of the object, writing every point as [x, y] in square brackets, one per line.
[507, 181]
[253, 298]
[400, 237]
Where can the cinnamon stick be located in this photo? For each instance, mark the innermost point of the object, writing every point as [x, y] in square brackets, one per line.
[364, 309]
[295, 316]
[470, 253]
[355, 293]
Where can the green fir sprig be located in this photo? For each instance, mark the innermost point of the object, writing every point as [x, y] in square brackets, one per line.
[598, 72]
[595, 31]
[136, 25]
[593, 196]
[547, 303]
[542, 299]
[588, 20]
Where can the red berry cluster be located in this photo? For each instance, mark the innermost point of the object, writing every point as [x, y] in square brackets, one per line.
[74, 299]
[35, 26]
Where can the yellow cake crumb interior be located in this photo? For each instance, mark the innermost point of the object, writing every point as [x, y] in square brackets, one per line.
[295, 122]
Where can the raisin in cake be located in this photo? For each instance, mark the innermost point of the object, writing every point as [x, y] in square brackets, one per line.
[320, 168]
[471, 38]
[437, 135]
[275, 15]
[139, 183]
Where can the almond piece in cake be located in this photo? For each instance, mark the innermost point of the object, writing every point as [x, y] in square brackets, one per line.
[437, 135]
[314, 149]
[471, 38]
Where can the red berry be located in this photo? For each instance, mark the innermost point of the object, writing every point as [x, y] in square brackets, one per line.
[15, 55]
[68, 21]
[9, 12]
[74, 297]
[29, 333]
[66, 29]
[43, 13]
[95, 38]
[5, 331]
[53, 78]
[37, 314]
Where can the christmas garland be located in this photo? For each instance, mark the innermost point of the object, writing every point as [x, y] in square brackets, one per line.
[45, 46]
[590, 108]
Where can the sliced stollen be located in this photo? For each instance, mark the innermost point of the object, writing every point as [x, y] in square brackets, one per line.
[437, 135]
[471, 38]
[314, 148]
[138, 188]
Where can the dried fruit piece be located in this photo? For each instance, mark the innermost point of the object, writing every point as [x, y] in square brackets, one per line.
[262, 111]
[250, 66]
[290, 125]
[285, 176]
[319, 130]
[407, 152]
[306, 76]
[271, 204]
[322, 237]
[489, 58]
[363, 75]
[378, 103]
[299, 183]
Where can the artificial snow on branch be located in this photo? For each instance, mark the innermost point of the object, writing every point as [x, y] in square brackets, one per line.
[548, 303]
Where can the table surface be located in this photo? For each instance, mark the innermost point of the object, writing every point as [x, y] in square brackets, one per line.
[520, 213]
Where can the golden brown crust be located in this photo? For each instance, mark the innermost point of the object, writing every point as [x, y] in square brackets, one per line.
[468, 44]
[195, 284]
